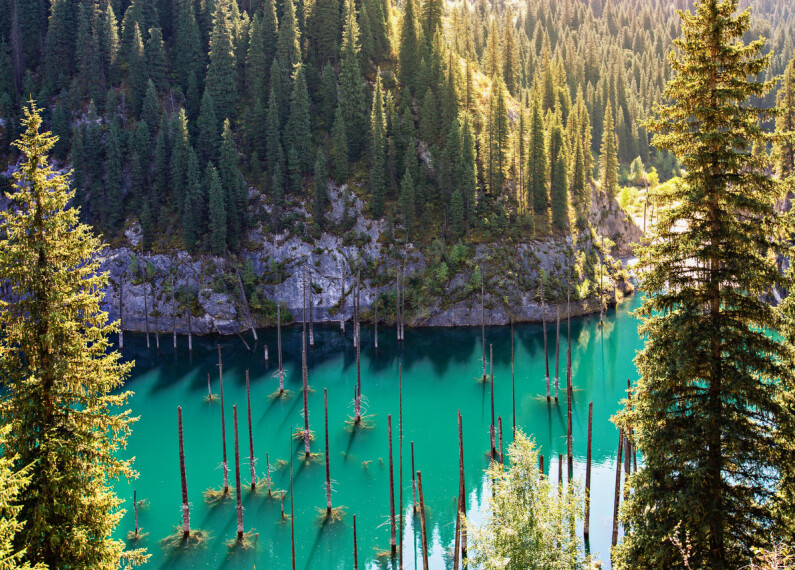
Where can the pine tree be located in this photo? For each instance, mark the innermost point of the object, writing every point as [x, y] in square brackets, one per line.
[377, 151]
[609, 156]
[207, 124]
[706, 412]
[339, 148]
[288, 47]
[60, 381]
[234, 189]
[326, 31]
[138, 73]
[784, 149]
[113, 176]
[156, 59]
[195, 204]
[298, 132]
[558, 168]
[409, 52]
[407, 203]
[221, 72]
[321, 189]
[216, 210]
[352, 97]
[188, 55]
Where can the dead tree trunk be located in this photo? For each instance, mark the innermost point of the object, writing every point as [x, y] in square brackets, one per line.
[557, 357]
[513, 386]
[146, 307]
[311, 314]
[462, 503]
[357, 401]
[499, 423]
[328, 467]
[174, 313]
[121, 311]
[342, 298]
[307, 451]
[292, 510]
[355, 548]
[279, 341]
[400, 459]
[190, 324]
[587, 523]
[392, 531]
[397, 301]
[544, 326]
[403, 302]
[223, 423]
[376, 317]
[483, 324]
[569, 390]
[237, 478]
[422, 524]
[457, 540]
[135, 509]
[268, 473]
[245, 304]
[493, 426]
[184, 481]
[251, 461]
[414, 504]
[617, 499]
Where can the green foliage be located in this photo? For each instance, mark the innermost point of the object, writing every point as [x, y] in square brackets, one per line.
[712, 410]
[407, 201]
[529, 523]
[409, 52]
[321, 188]
[298, 133]
[339, 148]
[352, 96]
[217, 210]
[559, 187]
[61, 383]
[221, 71]
[609, 156]
[784, 149]
[377, 151]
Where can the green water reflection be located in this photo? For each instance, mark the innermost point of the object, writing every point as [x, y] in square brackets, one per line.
[439, 370]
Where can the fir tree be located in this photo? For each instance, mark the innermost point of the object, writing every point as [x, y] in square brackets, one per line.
[288, 47]
[257, 63]
[138, 75]
[339, 148]
[706, 411]
[580, 192]
[207, 124]
[188, 55]
[558, 167]
[150, 109]
[497, 137]
[609, 156]
[377, 151]
[407, 204]
[409, 52]
[327, 103]
[298, 132]
[156, 59]
[221, 72]
[60, 380]
[326, 31]
[195, 204]
[113, 176]
[321, 189]
[234, 188]
[352, 97]
[784, 149]
[180, 144]
[216, 211]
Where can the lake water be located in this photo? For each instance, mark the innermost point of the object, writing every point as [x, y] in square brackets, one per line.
[439, 371]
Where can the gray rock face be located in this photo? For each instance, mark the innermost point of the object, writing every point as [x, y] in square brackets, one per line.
[153, 304]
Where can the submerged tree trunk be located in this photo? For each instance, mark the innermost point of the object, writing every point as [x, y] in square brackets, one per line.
[223, 423]
[183, 480]
[251, 461]
[328, 467]
[422, 524]
[392, 532]
[237, 478]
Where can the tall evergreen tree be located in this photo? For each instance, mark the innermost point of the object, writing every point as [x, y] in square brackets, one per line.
[195, 204]
[497, 137]
[216, 210]
[156, 58]
[339, 147]
[609, 156]
[207, 124]
[180, 145]
[113, 175]
[707, 408]
[469, 180]
[408, 211]
[558, 178]
[377, 151]
[221, 72]
[188, 55]
[288, 47]
[409, 52]
[60, 380]
[580, 192]
[298, 132]
[326, 31]
[321, 189]
[352, 96]
[784, 149]
[235, 191]
[138, 74]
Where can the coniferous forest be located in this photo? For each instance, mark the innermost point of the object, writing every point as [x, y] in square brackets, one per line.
[509, 156]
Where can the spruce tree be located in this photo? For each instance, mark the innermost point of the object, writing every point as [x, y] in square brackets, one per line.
[409, 52]
[113, 176]
[321, 189]
[497, 137]
[207, 124]
[234, 188]
[609, 156]
[339, 148]
[61, 383]
[377, 151]
[216, 211]
[457, 221]
[156, 59]
[137, 72]
[326, 31]
[257, 64]
[221, 71]
[580, 191]
[407, 200]
[469, 180]
[352, 96]
[195, 205]
[558, 168]
[298, 132]
[180, 144]
[150, 109]
[188, 55]
[288, 47]
[784, 149]
[327, 97]
[273, 136]
[707, 408]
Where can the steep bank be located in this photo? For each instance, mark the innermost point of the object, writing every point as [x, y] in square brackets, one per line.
[443, 283]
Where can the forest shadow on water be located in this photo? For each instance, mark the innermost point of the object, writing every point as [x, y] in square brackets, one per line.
[439, 368]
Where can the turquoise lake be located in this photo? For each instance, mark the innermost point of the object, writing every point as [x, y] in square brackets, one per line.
[439, 371]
